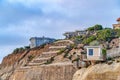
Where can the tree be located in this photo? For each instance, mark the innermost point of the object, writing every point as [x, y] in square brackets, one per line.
[104, 35]
[19, 50]
[98, 27]
[89, 39]
[95, 28]
[90, 29]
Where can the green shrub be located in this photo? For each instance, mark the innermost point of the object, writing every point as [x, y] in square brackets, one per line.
[65, 55]
[77, 59]
[27, 47]
[19, 50]
[30, 57]
[89, 39]
[73, 46]
[109, 58]
[95, 27]
[49, 61]
[104, 51]
[61, 51]
[105, 35]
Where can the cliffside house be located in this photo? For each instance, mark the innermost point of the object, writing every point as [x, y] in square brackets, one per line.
[94, 53]
[37, 41]
[69, 35]
[117, 26]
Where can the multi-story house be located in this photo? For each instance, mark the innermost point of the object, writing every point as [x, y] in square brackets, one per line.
[117, 26]
[37, 41]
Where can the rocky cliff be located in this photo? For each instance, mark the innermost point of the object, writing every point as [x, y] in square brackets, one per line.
[42, 63]
[99, 72]
[58, 61]
[13, 61]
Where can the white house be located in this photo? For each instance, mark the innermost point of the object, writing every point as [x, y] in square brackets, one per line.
[37, 41]
[94, 53]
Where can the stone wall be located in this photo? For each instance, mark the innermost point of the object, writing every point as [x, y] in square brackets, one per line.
[115, 52]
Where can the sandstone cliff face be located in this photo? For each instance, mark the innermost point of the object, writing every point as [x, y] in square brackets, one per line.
[46, 63]
[14, 61]
[46, 72]
[99, 72]
[57, 61]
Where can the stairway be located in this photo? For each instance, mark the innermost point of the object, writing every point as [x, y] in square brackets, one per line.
[53, 50]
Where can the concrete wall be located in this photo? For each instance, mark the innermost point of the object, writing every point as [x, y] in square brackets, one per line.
[113, 52]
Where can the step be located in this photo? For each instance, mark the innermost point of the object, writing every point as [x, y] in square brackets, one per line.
[50, 52]
[54, 49]
[57, 47]
[34, 64]
[68, 41]
[40, 60]
[48, 55]
[23, 68]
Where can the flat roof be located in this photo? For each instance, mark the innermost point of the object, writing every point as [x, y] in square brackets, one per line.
[41, 38]
[92, 47]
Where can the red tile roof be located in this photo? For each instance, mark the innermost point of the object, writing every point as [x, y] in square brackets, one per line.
[118, 19]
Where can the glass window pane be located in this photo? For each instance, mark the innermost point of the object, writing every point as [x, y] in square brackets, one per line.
[91, 52]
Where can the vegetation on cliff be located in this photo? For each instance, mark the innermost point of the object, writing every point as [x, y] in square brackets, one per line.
[98, 33]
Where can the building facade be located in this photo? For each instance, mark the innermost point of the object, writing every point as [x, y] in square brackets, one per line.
[117, 26]
[69, 35]
[94, 53]
[37, 41]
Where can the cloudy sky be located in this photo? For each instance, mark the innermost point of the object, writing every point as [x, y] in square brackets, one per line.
[22, 19]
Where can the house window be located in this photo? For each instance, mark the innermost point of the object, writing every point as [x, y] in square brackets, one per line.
[91, 52]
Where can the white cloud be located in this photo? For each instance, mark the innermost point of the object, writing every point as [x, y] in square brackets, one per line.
[36, 2]
[41, 26]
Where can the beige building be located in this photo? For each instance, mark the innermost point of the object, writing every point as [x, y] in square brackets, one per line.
[94, 53]
[117, 26]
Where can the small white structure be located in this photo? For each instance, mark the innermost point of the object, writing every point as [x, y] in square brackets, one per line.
[37, 41]
[94, 53]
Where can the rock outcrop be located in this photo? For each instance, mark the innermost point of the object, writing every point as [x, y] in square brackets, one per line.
[99, 72]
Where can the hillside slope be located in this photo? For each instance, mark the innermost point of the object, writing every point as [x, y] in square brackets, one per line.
[58, 61]
[42, 63]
